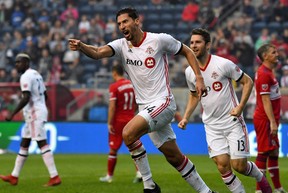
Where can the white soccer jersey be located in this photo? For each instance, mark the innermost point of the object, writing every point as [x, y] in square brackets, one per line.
[32, 81]
[221, 99]
[147, 64]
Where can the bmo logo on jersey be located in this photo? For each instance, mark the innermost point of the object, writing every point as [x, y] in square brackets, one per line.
[134, 62]
[217, 86]
[150, 62]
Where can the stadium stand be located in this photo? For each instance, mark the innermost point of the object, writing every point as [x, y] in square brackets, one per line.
[163, 17]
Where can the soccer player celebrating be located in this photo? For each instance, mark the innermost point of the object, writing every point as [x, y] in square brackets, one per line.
[33, 103]
[226, 131]
[122, 107]
[267, 115]
[144, 58]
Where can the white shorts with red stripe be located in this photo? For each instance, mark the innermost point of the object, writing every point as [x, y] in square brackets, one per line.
[159, 115]
[233, 141]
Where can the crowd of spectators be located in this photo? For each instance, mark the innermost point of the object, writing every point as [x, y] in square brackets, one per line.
[241, 34]
[41, 29]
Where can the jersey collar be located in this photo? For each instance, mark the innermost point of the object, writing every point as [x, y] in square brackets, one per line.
[144, 37]
[204, 68]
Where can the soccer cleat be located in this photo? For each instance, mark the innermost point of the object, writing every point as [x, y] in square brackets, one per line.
[258, 191]
[53, 181]
[279, 190]
[106, 178]
[264, 185]
[11, 179]
[157, 189]
[138, 178]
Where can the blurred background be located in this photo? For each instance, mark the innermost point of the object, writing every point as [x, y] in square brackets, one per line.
[78, 86]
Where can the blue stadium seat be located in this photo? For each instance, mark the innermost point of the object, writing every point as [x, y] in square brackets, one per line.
[152, 18]
[154, 28]
[90, 67]
[86, 9]
[258, 26]
[183, 36]
[166, 17]
[285, 25]
[182, 27]
[274, 27]
[168, 28]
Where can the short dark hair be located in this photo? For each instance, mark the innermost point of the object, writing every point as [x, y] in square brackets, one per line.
[202, 32]
[131, 12]
[263, 49]
[118, 69]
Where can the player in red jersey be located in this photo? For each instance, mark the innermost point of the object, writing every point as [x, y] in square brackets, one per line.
[267, 115]
[122, 107]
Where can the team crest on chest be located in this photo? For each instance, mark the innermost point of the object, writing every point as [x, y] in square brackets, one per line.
[214, 75]
[217, 86]
[149, 50]
[150, 62]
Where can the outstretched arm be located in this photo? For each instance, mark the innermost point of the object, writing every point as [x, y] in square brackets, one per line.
[193, 62]
[89, 50]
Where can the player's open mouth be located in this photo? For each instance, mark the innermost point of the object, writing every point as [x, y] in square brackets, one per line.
[126, 33]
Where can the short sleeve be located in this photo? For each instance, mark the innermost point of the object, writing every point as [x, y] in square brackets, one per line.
[190, 79]
[264, 83]
[170, 44]
[25, 83]
[112, 92]
[231, 70]
[116, 46]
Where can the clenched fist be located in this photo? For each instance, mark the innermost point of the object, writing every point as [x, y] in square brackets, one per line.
[74, 44]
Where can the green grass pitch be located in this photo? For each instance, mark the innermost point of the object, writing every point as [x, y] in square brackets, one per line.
[80, 174]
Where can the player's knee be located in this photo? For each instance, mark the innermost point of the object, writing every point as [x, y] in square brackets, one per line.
[223, 167]
[41, 143]
[240, 166]
[25, 142]
[127, 136]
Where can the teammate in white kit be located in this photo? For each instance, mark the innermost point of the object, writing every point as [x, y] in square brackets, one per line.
[144, 57]
[33, 103]
[226, 131]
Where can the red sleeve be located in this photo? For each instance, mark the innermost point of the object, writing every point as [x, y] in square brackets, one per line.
[113, 92]
[264, 83]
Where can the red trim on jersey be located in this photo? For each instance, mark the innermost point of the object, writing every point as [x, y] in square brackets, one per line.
[161, 108]
[144, 37]
[166, 64]
[244, 131]
[234, 101]
[232, 93]
[206, 65]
